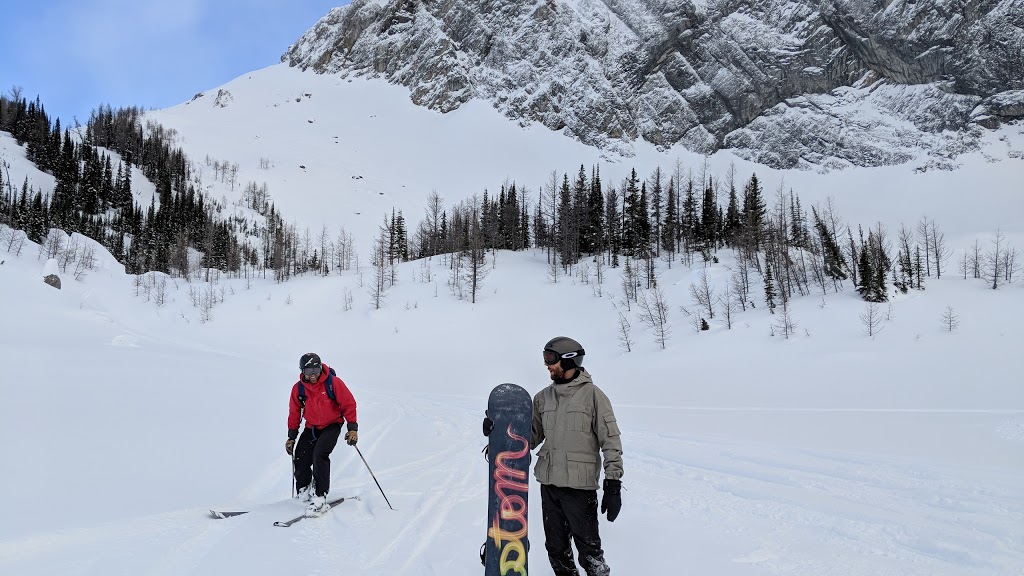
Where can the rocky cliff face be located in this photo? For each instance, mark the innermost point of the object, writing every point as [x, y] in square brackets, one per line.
[788, 83]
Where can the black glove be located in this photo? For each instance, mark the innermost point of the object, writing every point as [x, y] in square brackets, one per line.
[488, 426]
[612, 500]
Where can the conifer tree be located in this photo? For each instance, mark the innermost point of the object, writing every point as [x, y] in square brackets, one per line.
[125, 193]
[509, 225]
[670, 227]
[581, 220]
[769, 287]
[867, 273]
[402, 238]
[881, 264]
[655, 200]
[854, 254]
[733, 216]
[798, 226]
[596, 215]
[643, 224]
[903, 276]
[832, 254]
[613, 224]
[89, 185]
[566, 253]
[879, 292]
[688, 219]
[541, 229]
[485, 217]
[708, 226]
[631, 215]
[754, 210]
[21, 212]
[524, 222]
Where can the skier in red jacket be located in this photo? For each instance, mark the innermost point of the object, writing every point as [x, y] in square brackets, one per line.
[325, 402]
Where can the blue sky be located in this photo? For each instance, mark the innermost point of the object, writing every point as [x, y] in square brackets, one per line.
[76, 54]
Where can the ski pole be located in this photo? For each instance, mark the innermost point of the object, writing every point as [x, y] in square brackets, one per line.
[374, 476]
[293, 472]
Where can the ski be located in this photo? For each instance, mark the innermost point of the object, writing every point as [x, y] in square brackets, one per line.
[332, 504]
[222, 515]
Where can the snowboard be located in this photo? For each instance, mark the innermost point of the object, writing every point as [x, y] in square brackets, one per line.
[504, 553]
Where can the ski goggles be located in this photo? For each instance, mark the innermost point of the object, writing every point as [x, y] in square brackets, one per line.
[311, 372]
[552, 357]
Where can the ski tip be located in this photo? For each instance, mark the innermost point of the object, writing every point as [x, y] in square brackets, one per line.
[222, 515]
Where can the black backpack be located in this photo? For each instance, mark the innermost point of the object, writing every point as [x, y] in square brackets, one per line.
[330, 388]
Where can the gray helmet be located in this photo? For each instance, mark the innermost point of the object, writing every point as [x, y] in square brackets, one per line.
[569, 350]
[310, 360]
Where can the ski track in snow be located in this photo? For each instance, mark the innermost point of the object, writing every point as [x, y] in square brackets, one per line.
[432, 508]
[185, 557]
[846, 507]
[819, 507]
[823, 409]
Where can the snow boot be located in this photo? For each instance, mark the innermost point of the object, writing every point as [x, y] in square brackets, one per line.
[317, 505]
[305, 494]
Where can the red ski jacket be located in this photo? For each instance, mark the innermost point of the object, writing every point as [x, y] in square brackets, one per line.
[320, 410]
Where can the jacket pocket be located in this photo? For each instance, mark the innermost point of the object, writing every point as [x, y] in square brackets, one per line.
[612, 425]
[582, 469]
[547, 416]
[581, 419]
[542, 470]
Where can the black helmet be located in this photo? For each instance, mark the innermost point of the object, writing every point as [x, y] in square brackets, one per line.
[568, 350]
[309, 360]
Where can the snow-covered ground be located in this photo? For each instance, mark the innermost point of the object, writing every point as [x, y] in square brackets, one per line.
[745, 454]
[828, 453]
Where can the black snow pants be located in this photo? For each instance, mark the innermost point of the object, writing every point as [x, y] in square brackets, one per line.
[313, 457]
[570, 512]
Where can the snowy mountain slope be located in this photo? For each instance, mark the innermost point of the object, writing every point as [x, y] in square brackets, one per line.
[344, 152]
[612, 72]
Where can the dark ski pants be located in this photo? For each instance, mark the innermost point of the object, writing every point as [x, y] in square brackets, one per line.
[570, 512]
[313, 457]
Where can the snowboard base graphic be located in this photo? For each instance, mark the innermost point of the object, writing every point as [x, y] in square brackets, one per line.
[504, 553]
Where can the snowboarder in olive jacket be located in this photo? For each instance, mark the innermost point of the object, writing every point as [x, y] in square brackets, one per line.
[573, 423]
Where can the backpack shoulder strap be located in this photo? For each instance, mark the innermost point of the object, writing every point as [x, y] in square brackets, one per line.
[302, 394]
[330, 385]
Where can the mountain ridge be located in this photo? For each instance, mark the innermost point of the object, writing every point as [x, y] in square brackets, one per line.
[778, 82]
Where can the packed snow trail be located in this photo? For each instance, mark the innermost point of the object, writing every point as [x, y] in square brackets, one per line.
[734, 507]
[120, 451]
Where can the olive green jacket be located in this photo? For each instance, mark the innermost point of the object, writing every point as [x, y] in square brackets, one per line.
[573, 421]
